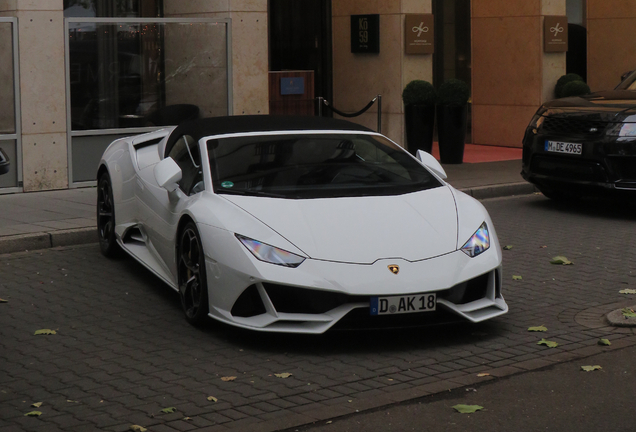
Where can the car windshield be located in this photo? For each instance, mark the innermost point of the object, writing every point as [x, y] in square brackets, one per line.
[301, 166]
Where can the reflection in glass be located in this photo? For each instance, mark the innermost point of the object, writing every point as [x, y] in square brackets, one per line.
[7, 88]
[126, 75]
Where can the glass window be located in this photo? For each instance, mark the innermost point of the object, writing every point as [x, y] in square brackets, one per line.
[187, 155]
[131, 75]
[7, 83]
[314, 166]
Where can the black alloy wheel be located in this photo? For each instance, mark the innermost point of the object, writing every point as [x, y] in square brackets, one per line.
[106, 217]
[193, 287]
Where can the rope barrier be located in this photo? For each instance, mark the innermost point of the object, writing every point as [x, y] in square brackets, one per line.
[349, 115]
[378, 98]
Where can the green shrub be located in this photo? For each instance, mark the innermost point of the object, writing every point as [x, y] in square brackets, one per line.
[453, 93]
[419, 92]
[575, 88]
[561, 82]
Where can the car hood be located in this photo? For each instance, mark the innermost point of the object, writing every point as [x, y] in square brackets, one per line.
[605, 102]
[412, 226]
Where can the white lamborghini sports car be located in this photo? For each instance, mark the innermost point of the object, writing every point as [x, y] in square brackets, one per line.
[296, 224]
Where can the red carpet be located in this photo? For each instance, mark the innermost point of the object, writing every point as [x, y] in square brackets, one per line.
[481, 153]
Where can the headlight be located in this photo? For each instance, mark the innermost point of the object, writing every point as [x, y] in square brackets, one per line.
[628, 130]
[478, 243]
[536, 122]
[270, 254]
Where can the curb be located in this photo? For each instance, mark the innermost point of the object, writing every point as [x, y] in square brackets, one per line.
[77, 236]
[46, 240]
[499, 191]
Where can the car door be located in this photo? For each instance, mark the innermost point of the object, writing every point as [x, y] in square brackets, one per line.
[160, 210]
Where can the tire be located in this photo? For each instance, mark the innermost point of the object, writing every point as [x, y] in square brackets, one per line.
[106, 218]
[557, 194]
[193, 287]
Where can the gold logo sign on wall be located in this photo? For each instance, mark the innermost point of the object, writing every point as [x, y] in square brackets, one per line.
[555, 34]
[419, 32]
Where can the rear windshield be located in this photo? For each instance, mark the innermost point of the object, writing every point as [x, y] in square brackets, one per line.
[314, 166]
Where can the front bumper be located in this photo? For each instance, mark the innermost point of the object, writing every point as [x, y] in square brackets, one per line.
[606, 164]
[318, 294]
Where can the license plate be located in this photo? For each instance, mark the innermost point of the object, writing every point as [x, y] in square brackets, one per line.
[403, 304]
[563, 147]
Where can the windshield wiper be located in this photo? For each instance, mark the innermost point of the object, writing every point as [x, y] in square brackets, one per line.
[248, 192]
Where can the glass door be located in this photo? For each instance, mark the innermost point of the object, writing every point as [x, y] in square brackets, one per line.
[10, 133]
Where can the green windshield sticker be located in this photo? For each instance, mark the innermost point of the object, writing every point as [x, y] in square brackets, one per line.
[227, 184]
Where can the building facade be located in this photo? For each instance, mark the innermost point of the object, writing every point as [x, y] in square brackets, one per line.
[76, 74]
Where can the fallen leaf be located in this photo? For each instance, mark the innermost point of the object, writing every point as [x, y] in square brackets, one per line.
[33, 414]
[329, 422]
[508, 247]
[515, 277]
[540, 328]
[187, 418]
[350, 400]
[483, 374]
[44, 332]
[467, 409]
[604, 342]
[137, 428]
[628, 313]
[228, 378]
[168, 410]
[549, 344]
[212, 399]
[591, 368]
[283, 375]
[627, 291]
[37, 405]
[4, 301]
[560, 260]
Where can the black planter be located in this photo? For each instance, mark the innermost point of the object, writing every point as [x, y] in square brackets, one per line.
[419, 121]
[451, 133]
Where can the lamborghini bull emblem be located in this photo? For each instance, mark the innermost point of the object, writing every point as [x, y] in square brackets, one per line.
[395, 269]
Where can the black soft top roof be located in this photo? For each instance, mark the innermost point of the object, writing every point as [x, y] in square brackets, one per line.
[200, 128]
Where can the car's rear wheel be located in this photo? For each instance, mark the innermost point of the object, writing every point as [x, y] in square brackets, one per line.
[193, 287]
[106, 217]
[557, 194]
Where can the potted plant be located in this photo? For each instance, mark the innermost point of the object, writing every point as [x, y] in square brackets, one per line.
[562, 81]
[419, 115]
[575, 88]
[452, 113]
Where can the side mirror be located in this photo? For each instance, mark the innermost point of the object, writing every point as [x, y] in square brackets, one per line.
[430, 162]
[168, 174]
[4, 163]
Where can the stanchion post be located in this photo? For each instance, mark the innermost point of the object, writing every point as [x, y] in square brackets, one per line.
[379, 113]
[319, 106]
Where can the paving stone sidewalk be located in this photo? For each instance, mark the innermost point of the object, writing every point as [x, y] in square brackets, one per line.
[123, 351]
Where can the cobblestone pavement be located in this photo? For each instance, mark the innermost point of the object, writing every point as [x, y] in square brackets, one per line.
[123, 351]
